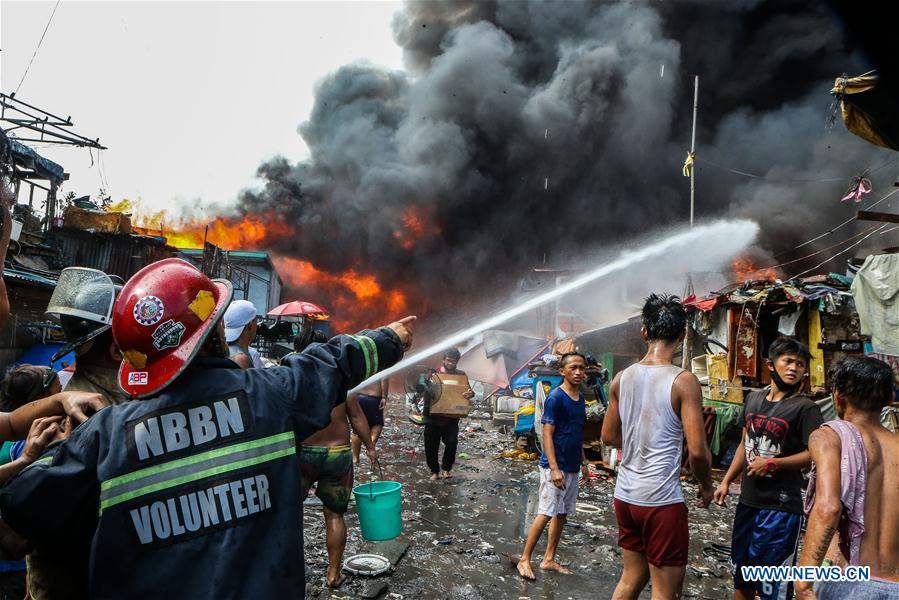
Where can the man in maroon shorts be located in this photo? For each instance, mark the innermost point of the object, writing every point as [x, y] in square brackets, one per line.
[652, 406]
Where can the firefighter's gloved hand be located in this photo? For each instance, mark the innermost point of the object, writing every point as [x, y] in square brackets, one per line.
[403, 329]
[80, 405]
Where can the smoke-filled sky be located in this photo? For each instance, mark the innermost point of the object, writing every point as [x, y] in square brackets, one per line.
[522, 132]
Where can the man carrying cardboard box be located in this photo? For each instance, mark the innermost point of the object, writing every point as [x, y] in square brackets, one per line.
[443, 427]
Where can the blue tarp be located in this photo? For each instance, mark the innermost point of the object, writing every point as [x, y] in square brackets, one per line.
[40, 354]
[524, 424]
[520, 380]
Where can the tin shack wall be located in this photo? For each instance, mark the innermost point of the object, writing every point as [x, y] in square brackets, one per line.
[122, 255]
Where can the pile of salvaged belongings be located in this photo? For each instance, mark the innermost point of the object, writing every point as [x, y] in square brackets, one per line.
[831, 291]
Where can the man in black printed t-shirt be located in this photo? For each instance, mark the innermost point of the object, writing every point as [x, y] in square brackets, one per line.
[777, 423]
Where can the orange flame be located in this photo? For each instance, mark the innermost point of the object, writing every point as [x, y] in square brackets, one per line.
[746, 270]
[416, 225]
[354, 299]
[249, 233]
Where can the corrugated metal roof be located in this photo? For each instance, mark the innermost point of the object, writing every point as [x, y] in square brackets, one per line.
[26, 155]
[122, 255]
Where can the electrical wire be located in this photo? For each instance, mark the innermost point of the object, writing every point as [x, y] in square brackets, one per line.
[843, 224]
[771, 180]
[829, 231]
[763, 177]
[844, 251]
[807, 256]
[41, 41]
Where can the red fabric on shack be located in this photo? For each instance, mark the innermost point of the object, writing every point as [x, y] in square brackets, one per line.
[703, 304]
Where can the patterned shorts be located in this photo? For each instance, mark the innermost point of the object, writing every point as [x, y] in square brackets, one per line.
[331, 468]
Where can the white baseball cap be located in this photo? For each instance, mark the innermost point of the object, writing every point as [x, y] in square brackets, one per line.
[240, 313]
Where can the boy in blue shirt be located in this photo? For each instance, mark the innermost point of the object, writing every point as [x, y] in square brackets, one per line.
[564, 416]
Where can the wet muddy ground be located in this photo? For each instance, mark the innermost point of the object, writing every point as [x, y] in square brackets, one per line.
[461, 532]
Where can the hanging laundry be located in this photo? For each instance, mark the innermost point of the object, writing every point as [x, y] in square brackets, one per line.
[787, 323]
[858, 187]
[876, 293]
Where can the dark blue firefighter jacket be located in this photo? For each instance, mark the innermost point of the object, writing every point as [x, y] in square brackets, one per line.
[195, 493]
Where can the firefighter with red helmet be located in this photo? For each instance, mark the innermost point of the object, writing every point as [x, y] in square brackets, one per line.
[192, 491]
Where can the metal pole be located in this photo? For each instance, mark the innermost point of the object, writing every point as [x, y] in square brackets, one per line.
[693, 146]
[687, 352]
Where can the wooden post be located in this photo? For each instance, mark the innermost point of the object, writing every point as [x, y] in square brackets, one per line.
[868, 215]
[815, 336]
[51, 204]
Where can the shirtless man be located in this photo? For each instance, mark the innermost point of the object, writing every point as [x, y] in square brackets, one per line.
[861, 499]
[372, 399]
[326, 460]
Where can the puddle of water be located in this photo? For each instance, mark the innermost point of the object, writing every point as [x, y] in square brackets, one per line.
[485, 512]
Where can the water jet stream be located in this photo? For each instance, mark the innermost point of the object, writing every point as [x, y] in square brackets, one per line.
[740, 233]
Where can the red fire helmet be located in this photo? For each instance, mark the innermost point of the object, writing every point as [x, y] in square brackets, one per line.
[160, 321]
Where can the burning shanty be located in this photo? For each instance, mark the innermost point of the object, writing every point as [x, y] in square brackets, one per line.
[538, 299]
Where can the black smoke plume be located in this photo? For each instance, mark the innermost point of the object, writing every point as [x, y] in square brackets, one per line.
[530, 131]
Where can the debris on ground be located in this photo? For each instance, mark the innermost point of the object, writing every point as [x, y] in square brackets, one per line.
[455, 531]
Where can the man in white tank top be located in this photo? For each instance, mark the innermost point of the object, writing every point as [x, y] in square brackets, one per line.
[653, 405]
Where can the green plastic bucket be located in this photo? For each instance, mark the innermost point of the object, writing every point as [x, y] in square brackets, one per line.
[380, 505]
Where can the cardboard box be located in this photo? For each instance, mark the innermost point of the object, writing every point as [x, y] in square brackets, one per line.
[451, 402]
[97, 220]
